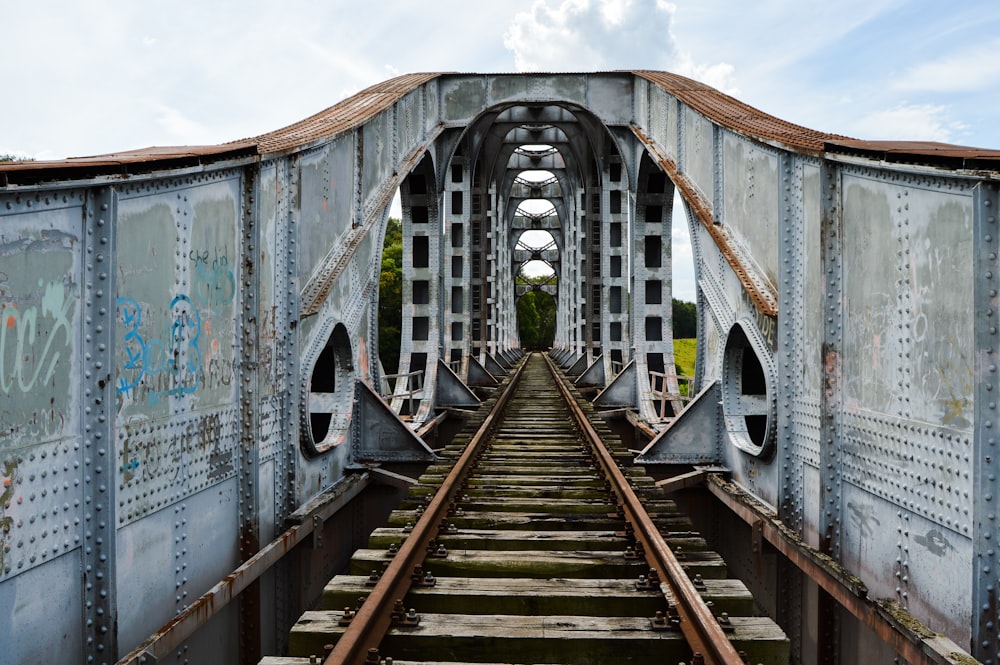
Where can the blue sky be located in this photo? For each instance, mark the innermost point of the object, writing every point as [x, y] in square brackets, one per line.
[105, 75]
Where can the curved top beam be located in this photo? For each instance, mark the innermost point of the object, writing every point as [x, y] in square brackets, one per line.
[357, 109]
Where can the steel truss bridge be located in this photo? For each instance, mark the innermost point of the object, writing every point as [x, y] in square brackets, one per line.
[189, 368]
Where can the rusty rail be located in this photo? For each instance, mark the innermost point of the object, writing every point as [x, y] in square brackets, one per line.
[700, 627]
[373, 618]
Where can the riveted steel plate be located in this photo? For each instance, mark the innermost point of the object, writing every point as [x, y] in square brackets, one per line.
[751, 194]
[698, 162]
[40, 379]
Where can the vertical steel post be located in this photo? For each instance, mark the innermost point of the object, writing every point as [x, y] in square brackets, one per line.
[456, 331]
[985, 615]
[789, 359]
[286, 593]
[100, 607]
[830, 461]
[791, 296]
[249, 471]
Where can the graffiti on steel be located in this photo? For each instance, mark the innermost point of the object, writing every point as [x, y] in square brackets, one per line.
[169, 365]
[39, 300]
[176, 308]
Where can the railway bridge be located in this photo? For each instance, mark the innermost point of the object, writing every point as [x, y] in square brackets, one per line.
[196, 426]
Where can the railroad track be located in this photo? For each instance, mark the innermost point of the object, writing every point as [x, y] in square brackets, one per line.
[528, 544]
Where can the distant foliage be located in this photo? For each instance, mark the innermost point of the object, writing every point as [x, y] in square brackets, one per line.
[390, 297]
[15, 158]
[536, 320]
[536, 310]
[685, 319]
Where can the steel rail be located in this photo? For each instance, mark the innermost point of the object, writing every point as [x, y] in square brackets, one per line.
[700, 627]
[373, 619]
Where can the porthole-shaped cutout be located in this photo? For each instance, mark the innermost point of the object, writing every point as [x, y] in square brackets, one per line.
[748, 404]
[330, 394]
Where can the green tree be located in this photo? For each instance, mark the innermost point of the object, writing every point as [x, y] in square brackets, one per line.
[390, 297]
[685, 319]
[536, 320]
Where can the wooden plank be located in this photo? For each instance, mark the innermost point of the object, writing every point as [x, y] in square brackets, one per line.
[524, 539]
[601, 597]
[468, 595]
[543, 521]
[540, 565]
[479, 480]
[556, 639]
[528, 504]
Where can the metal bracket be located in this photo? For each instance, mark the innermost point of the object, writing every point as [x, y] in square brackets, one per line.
[594, 376]
[757, 536]
[450, 389]
[317, 533]
[691, 437]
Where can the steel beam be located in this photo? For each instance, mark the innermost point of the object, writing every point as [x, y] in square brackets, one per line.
[831, 455]
[249, 462]
[986, 563]
[100, 549]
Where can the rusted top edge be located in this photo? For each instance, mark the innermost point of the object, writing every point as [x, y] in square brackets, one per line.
[343, 115]
[355, 110]
[734, 114]
[150, 154]
[334, 120]
[931, 152]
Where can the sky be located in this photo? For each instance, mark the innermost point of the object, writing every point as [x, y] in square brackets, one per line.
[93, 77]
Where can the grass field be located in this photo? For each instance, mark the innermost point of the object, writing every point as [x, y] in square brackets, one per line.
[684, 355]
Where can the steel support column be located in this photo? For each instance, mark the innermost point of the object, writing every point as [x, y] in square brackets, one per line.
[249, 472]
[830, 472]
[100, 551]
[985, 616]
[456, 266]
[651, 268]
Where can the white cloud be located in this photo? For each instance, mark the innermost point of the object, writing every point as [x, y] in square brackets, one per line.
[595, 35]
[178, 128]
[972, 69]
[721, 75]
[916, 122]
[581, 35]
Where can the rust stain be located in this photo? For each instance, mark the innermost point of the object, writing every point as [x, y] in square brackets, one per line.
[734, 114]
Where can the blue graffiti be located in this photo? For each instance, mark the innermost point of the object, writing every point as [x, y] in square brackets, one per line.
[131, 372]
[214, 283]
[170, 366]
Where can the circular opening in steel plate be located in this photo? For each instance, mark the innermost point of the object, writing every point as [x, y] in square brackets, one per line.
[330, 394]
[748, 403]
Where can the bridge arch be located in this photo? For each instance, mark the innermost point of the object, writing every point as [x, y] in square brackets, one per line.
[572, 134]
[424, 228]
